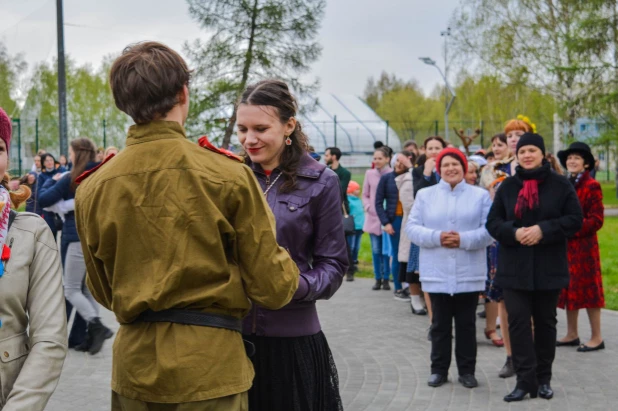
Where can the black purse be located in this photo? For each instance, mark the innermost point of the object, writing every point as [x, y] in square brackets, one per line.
[348, 222]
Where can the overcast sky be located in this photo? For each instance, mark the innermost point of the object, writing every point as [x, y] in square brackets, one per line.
[360, 38]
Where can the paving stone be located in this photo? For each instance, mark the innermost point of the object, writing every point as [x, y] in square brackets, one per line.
[382, 354]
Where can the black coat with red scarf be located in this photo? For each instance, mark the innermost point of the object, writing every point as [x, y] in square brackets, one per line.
[585, 289]
[543, 266]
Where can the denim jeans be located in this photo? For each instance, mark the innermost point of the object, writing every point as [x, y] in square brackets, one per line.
[354, 241]
[395, 260]
[380, 261]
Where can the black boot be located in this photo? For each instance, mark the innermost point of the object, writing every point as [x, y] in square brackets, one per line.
[519, 394]
[349, 276]
[84, 346]
[508, 370]
[97, 334]
[385, 285]
[377, 285]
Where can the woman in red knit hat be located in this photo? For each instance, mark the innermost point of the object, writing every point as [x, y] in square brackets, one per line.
[447, 222]
[33, 336]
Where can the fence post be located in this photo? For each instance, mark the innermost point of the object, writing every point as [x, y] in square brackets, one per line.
[19, 143]
[36, 135]
[482, 134]
[104, 133]
[387, 127]
[335, 119]
[436, 125]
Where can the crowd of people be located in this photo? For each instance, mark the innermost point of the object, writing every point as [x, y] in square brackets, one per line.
[187, 243]
[515, 226]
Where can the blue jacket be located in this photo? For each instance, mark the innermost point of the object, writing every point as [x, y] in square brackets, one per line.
[32, 205]
[40, 182]
[357, 211]
[54, 191]
[387, 190]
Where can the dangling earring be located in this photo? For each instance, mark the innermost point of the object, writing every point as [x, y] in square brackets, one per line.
[288, 141]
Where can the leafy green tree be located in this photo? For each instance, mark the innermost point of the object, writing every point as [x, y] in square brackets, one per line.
[554, 46]
[89, 104]
[10, 69]
[484, 98]
[253, 39]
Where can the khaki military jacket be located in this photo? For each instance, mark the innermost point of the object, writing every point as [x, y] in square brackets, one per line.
[33, 336]
[168, 224]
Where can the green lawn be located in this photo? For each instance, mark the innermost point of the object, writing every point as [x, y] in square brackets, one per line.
[608, 243]
[609, 194]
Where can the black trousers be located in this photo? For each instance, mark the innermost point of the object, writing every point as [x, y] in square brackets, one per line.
[533, 355]
[445, 307]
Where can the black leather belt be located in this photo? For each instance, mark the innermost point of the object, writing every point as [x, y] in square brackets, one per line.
[190, 317]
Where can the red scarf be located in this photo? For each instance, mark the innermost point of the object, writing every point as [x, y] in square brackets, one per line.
[528, 197]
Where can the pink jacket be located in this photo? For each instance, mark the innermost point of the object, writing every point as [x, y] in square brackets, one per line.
[370, 186]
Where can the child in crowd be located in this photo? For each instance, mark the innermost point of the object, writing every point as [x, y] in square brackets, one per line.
[354, 240]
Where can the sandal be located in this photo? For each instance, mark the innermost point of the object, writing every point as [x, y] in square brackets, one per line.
[498, 342]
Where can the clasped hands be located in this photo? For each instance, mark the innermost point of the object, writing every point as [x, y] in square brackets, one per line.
[529, 235]
[450, 239]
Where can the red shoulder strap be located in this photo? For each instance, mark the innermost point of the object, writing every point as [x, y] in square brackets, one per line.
[88, 173]
[203, 142]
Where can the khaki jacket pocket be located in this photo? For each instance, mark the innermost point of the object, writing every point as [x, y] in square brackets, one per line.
[13, 353]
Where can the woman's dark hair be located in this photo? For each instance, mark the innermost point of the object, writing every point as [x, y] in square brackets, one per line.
[410, 155]
[85, 152]
[420, 161]
[377, 145]
[500, 136]
[490, 154]
[43, 158]
[276, 94]
[385, 150]
[437, 138]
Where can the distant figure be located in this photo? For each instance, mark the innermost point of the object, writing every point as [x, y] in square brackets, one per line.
[332, 155]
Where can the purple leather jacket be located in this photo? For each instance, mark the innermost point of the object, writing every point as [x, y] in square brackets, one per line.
[310, 226]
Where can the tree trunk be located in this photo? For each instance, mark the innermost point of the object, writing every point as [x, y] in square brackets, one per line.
[229, 130]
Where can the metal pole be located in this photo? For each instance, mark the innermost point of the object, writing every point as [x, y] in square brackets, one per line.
[437, 125]
[62, 81]
[335, 119]
[36, 135]
[387, 132]
[19, 143]
[607, 161]
[104, 133]
[446, 124]
[482, 133]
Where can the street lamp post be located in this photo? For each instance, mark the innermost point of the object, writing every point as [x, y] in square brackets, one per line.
[62, 82]
[449, 104]
[431, 62]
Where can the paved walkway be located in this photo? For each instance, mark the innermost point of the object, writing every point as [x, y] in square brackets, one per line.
[382, 355]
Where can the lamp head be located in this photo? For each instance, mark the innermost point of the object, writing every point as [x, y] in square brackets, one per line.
[428, 61]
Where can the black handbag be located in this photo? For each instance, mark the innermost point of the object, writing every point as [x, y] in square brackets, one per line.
[348, 222]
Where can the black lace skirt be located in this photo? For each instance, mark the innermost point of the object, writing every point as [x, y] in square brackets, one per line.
[294, 374]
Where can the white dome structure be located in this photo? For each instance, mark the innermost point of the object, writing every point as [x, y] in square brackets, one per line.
[347, 122]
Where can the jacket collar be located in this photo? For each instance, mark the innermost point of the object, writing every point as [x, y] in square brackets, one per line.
[458, 188]
[307, 167]
[155, 130]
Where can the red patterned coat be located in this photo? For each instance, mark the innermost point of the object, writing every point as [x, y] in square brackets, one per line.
[585, 289]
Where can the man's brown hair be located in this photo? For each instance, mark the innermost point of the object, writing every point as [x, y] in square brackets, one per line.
[146, 80]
